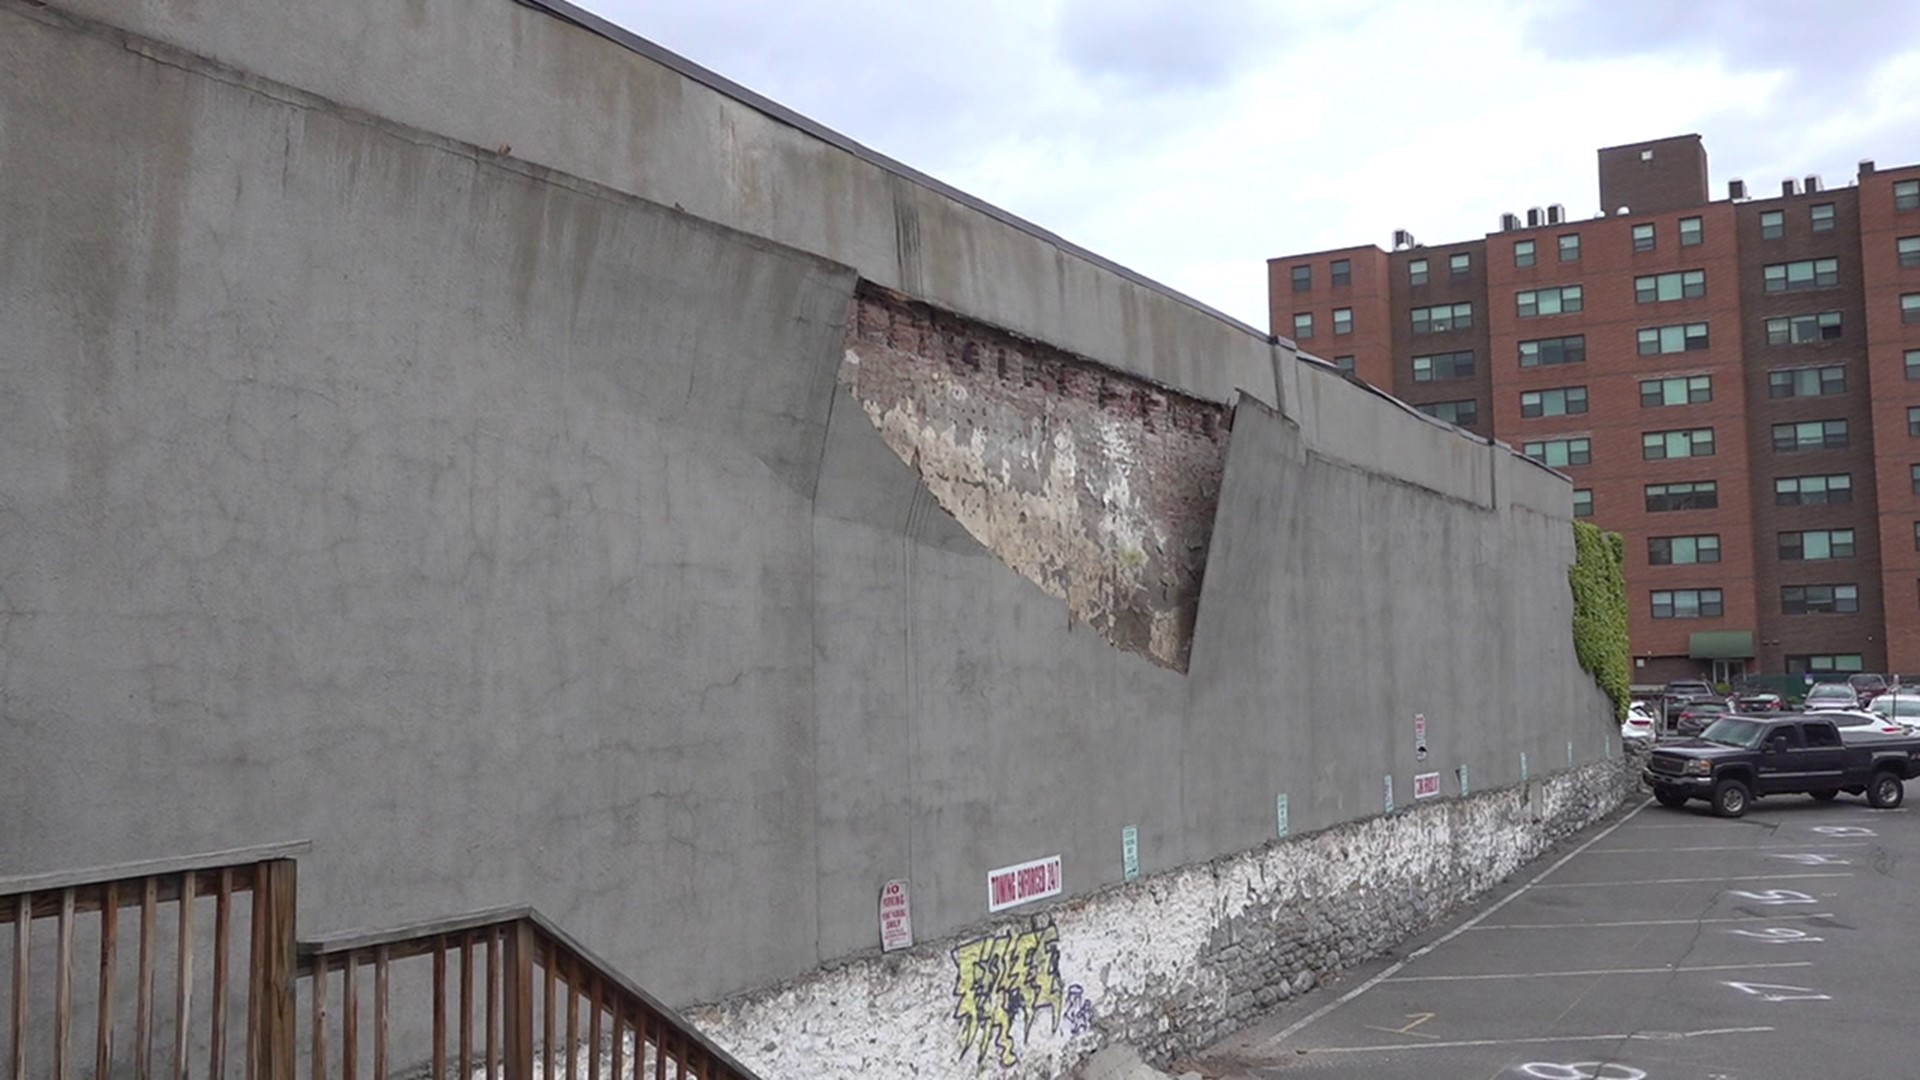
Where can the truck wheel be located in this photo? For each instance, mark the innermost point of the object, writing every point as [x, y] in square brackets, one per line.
[1825, 794]
[1670, 798]
[1730, 798]
[1886, 791]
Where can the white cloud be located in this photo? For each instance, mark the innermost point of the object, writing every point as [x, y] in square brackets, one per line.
[1192, 141]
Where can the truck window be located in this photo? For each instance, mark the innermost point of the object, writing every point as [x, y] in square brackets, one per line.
[1782, 738]
[1821, 734]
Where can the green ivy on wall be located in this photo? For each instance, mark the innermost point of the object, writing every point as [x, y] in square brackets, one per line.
[1600, 610]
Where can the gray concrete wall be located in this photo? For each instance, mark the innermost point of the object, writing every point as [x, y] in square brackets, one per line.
[503, 530]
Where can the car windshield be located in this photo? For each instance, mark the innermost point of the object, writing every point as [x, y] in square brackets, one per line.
[1831, 690]
[1729, 731]
[1889, 705]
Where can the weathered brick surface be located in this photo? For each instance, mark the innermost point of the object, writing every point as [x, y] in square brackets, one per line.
[1099, 487]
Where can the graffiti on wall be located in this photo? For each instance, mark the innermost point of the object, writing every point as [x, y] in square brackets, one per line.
[1003, 982]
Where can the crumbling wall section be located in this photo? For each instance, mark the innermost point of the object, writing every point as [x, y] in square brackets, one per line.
[1098, 486]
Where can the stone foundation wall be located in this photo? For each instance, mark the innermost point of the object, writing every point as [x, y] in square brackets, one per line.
[1168, 964]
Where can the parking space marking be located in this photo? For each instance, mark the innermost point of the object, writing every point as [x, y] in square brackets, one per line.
[1537, 1040]
[1651, 922]
[1686, 880]
[1727, 847]
[1423, 950]
[1595, 971]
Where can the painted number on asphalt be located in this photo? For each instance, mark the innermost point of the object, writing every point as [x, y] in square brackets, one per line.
[1774, 992]
[1779, 935]
[1774, 896]
[1581, 1070]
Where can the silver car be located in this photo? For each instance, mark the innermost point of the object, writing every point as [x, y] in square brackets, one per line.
[1822, 697]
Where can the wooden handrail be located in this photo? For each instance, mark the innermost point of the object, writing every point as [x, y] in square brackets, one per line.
[133, 871]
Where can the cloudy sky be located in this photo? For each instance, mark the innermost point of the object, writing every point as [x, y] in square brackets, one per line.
[1194, 139]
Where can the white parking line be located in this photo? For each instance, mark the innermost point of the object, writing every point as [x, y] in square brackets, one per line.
[1728, 847]
[1685, 880]
[1423, 950]
[1651, 922]
[1642, 1036]
[1595, 971]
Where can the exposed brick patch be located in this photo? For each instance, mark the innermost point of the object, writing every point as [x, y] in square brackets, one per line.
[1098, 486]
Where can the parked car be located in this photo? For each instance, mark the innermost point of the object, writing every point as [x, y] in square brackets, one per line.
[1900, 706]
[1830, 695]
[1757, 700]
[1682, 691]
[1693, 718]
[1640, 724]
[1867, 687]
[1862, 722]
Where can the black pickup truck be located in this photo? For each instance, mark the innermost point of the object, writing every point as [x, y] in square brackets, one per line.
[1740, 758]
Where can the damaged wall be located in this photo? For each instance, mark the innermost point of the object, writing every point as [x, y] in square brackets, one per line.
[1098, 486]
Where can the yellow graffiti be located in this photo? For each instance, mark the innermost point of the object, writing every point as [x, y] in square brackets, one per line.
[1005, 979]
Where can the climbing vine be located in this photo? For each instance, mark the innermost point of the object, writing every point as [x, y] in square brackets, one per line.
[1600, 610]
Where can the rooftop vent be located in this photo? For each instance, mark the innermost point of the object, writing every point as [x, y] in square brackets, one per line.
[1556, 214]
[1788, 187]
[1509, 222]
[1736, 190]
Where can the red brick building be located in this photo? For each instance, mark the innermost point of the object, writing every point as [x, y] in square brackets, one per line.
[1734, 385]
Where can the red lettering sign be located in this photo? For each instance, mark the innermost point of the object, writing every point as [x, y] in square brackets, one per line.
[1034, 880]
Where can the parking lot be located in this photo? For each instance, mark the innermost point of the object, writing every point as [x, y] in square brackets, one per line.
[1660, 945]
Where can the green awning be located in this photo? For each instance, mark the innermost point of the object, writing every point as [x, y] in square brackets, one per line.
[1721, 645]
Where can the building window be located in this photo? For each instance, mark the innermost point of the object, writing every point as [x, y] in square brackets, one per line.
[1914, 473]
[1342, 272]
[1816, 545]
[1819, 599]
[1804, 274]
[1643, 237]
[1813, 490]
[1453, 365]
[1303, 279]
[1908, 249]
[1913, 365]
[1442, 317]
[1689, 337]
[1682, 550]
[1807, 382]
[1679, 390]
[1821, 215]
[1810, 435]
[1697, 495]
[1459, 413]
[1549, 351]
[1523, 253]
[1583, 508]
[1303, 326]
[1343, 320]
[1344, 363]
[1801, 329]
[1570, 248]
[1559, 453]
[1691, 232]
[1906, 194]
[1658, 445]
[1910, 308]
[1773, 224]
[1459, 266]
[1416, 271]
[1834, 664]
[1916, 536]
[1560, 401]
[1558, 301]
[1913, 420]
[1682, 284]
[1688, 604]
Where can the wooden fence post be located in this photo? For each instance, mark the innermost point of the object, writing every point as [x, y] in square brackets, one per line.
[518, 1004]
[274, 888]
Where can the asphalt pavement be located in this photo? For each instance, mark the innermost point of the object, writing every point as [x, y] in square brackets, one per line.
[1658, 945]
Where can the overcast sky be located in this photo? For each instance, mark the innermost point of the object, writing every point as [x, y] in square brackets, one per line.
[1194, 139]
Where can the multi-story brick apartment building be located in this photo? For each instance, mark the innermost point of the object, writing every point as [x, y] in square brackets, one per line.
[1732, 384]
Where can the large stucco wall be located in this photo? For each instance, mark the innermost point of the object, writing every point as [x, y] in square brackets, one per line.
[515, 535]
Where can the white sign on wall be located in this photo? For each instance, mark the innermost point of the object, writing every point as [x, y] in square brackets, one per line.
[896, 916]
[1426, 785]
[1034, 880]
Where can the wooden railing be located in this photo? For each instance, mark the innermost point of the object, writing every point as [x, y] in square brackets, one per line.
[496, 994]
[511, 996]
[174, 895]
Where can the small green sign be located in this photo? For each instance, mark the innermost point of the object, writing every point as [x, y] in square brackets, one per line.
[1389, 793]
[1523, 764]
[1280, 812]
[1130, 852]
[1463, 781]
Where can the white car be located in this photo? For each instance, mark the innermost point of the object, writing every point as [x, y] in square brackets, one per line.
[1862, 722]
[1640, 725]
[1901, 707]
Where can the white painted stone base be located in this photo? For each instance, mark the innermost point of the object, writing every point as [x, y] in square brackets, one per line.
[1168, 964]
